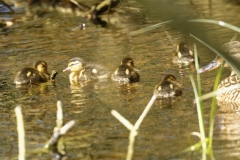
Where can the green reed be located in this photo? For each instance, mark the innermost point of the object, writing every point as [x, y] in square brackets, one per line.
[199, 98]
[149, 28]
[206, 143]
[198, 92]
[213, 111]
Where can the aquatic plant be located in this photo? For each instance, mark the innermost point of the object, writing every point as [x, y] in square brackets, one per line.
[21, 133]
[53, 143]
[199, 98]
[133, 128]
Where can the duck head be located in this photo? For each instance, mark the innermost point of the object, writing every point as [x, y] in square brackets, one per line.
[74, 65]
[169, 79]
[183, 50]
[129, 62]
[41, 66]
[217, 62]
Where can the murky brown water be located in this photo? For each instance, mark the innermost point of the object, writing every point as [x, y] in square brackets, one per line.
[97, 134]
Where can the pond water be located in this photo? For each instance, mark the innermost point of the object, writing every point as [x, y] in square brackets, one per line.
[55, 38]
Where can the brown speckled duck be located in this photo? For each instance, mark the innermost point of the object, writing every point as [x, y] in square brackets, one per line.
[233, 95]
[126, 72]
[29, 75]
[228, 96]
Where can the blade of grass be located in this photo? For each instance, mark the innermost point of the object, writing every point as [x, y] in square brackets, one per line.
[200, 120]
[221, 90]
[149, 28]
[21, 133]
[213, 111]
[221, 23]
[194, 147]
[198, 75]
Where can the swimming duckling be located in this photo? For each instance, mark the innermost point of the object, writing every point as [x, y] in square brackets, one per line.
[82, 71]
[34, 75]
[183, 55]
[126, 72]
[168, 88]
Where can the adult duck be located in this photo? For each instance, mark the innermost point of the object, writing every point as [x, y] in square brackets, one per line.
[233, 95]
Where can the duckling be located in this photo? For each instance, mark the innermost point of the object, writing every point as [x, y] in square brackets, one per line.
[82, 71]
[34, 75]
[126, 72]
[168, 88]
[183, 55]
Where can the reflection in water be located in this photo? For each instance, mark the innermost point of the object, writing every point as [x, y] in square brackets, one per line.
[78, 93]
[105, 139]
[33, 89]
[186, 70]
[85, 90]
[125, 89]
[166, 103]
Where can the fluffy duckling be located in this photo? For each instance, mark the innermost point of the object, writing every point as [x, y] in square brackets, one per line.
[34, 75]
[183, 55]
[168, 88]
[82, 71]
[126, 72]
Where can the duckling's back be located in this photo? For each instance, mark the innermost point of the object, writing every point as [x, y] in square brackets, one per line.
[27, 76]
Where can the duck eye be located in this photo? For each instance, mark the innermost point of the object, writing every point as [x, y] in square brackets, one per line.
[130, 62]
[71, 64]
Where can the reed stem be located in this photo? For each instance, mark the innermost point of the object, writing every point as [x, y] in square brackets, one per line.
[133, 129]
[21, 133]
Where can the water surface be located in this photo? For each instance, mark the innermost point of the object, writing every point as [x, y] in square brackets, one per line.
[55, 38]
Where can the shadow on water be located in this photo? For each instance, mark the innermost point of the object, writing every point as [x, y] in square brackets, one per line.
[55, 38]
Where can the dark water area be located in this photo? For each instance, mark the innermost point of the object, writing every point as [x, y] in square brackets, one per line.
[55, 38]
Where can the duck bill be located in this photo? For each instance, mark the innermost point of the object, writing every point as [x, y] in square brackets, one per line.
[136, 69]
[176, 83]
[66, 69]
[211, 66]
